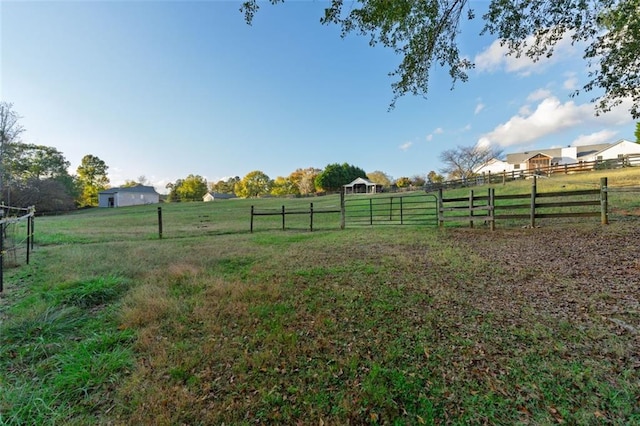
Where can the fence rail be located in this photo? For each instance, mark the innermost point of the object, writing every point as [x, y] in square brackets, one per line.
[284, 213]
[629, 160]
[391, 210]
[466, 208]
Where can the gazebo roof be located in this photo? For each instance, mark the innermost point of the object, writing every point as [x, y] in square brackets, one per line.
[361, 181]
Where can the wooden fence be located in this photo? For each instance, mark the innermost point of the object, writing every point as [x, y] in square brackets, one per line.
[485, 207]
[629, 160]
[283, 212]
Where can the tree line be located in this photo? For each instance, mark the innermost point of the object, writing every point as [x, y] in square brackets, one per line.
[37, 175]
[301, 182]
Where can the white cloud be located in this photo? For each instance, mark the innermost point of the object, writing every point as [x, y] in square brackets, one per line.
[429, 137]
[549, 117]
[405, 146]
[479, 108]
[538, 95]
[466, 128]
[495, 57]
[571, 83]
[603, 136]
[438, 131]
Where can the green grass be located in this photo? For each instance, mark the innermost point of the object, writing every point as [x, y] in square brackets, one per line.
[382, 325]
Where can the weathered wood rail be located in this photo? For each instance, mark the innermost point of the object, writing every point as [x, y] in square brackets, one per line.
[467, 208]
[284, 213]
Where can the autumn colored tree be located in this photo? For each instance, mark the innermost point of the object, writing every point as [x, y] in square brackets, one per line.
[380, 178]
[254, 184]
[403, 182]
[282, 186]
[434, 177]
[304, 179]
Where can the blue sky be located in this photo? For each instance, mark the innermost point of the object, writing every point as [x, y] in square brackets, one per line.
[164, 89]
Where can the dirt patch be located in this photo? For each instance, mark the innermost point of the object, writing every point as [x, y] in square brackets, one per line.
[575, 273]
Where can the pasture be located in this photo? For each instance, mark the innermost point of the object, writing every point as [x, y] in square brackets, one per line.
[406, 324]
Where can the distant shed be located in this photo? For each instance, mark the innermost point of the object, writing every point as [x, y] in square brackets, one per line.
[128, 196]
[211, 196]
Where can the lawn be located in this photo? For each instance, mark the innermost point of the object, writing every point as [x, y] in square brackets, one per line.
[384, 325]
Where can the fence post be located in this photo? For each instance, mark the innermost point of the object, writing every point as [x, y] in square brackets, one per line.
[33, 229]
[401, 213]
[28, 238]
[310, 217]
[283, 218]
[160, 222]
[492, 208]
[604, 202]
[471, 209]
[251, 223]
[370, 211]
[391, 209]
[440, 208]
[533, 201]
[342, 209]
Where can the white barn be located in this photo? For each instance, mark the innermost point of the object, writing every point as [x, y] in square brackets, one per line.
[544, 158]
[128, 196]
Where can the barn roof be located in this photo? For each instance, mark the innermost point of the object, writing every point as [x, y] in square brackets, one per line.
[138, 189]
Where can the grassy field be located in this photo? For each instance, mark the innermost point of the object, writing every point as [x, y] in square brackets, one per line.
[386, 325]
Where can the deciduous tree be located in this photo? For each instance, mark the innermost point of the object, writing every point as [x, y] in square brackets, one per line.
[380, 178]
[637, 132]
[142, 180]
[305, 179]
[10, 131]
[426, 33]
[403, 182]
[47, 195]
[461, 162]
[92, 178]
[225, 186]
[28, 161]
[418, 180]
[192, 188]
[254, 184]
[434, 177]
[282, 186]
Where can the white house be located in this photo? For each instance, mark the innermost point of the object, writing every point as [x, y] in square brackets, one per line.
[544, 158]
[616, 150]
[129, 196]
[212, 196]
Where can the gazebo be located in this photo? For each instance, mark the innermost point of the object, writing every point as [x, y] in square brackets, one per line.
[362, 186]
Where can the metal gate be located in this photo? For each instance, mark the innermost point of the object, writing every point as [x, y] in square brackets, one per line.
[411, 209]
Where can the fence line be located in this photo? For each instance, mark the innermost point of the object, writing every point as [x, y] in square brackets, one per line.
[465, 208]
[284, 213]
[629, 160]
[391, 210]
[9, 234]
